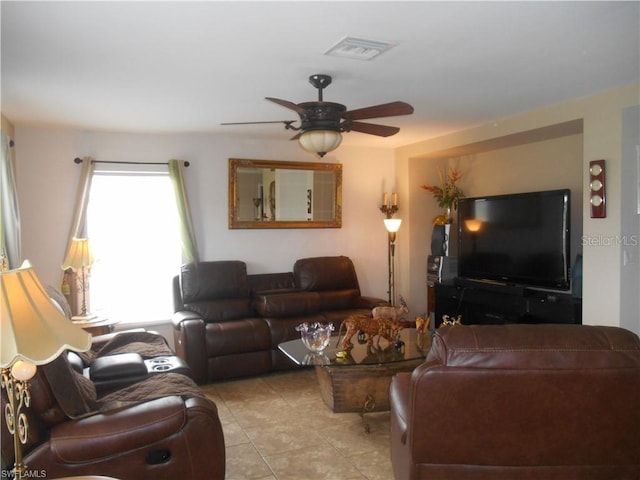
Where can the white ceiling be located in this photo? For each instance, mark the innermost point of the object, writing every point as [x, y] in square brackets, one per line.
[189, 66]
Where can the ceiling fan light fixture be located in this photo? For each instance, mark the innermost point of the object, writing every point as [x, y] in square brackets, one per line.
[320, 141]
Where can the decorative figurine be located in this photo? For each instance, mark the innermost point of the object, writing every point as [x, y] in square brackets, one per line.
[371, 327]
[448, 321]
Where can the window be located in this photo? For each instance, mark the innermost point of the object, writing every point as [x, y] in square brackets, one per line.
[132, 223]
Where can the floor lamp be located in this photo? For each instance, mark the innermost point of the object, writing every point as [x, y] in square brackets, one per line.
[33, 332]
[392, 225]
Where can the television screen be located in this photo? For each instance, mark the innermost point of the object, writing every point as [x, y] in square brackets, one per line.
[518, 239]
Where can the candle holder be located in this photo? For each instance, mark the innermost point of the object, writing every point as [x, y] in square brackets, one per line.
[389, 210]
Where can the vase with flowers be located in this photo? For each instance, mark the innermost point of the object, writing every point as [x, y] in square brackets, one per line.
[446, 194]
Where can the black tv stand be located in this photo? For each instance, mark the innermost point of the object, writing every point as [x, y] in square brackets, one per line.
[494, 303]
[490, 286]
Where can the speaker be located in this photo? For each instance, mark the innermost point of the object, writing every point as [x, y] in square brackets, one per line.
[441, 269]
[576, 277]
[440, 240]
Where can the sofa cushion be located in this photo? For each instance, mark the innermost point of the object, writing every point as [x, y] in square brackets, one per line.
[325, 273]
[214, 280]
[339, 299]
[268, 282]
[222, 310]
[237, 336]
[531, 346]
[286, 304]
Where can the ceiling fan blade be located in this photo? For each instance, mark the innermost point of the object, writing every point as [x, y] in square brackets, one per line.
[296, 136]
[287, 104]
[377, 111]
[373, 129]
[286, 122]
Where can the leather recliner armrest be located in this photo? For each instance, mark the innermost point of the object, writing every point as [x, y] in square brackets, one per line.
[399, 398]
[118, 431]
[189, 337]
[182, 315]
[114, 367]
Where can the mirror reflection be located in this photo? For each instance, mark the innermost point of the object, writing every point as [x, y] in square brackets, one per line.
[273, 194]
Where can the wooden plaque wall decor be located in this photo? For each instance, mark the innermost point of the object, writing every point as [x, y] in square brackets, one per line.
[597, 197]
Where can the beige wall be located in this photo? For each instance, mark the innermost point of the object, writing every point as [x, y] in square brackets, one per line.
[543, 165]
[45, 166]
[47, 182]
[601, 139]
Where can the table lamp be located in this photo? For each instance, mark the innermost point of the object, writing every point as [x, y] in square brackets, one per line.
[79, 259]
[33, 332]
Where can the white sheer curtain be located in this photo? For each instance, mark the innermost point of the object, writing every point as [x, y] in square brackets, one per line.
[78, 229]
[9, 209]
[78, 224]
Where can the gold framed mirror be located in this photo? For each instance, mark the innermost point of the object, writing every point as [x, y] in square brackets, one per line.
[278, 194]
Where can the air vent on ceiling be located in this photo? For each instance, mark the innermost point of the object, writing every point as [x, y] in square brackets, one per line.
[358, 48]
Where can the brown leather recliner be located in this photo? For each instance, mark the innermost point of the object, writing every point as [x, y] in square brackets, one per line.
[162, 427]
[520, 402]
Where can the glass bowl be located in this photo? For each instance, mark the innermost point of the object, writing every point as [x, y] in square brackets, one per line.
[315, 336]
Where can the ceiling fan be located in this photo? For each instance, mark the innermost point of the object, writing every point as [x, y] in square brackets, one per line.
[321, 123]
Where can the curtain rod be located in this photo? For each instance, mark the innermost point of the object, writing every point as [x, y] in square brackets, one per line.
[78, 160]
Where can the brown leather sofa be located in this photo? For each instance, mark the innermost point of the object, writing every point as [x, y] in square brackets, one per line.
[161, 426]
[520, 402]
[229, 324]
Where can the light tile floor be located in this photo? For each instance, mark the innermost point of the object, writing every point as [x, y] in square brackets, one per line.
[276, 427]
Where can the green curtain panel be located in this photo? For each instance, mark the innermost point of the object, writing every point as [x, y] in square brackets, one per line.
[189, 246]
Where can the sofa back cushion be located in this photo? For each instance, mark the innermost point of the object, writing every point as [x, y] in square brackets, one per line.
[286, 304]
[325, 273]
[339, 299]
[214, 280]
[217, 290]
[535, 347]
[222, 310]
[546, 397]
[268, 282]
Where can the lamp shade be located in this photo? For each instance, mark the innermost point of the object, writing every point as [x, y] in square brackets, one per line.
[79, 255]
[392, 224]
[32, 328]
[473, 224]
[320, 141]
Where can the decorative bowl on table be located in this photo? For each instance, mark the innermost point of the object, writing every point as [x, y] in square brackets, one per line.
[315, 336]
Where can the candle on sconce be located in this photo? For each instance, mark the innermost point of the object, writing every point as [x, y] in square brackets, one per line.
[394, 199]
[385, 198]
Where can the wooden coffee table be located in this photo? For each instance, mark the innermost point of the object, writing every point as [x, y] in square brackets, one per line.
[360, 382]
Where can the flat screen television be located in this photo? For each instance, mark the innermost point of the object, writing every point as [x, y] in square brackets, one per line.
[518, 239]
